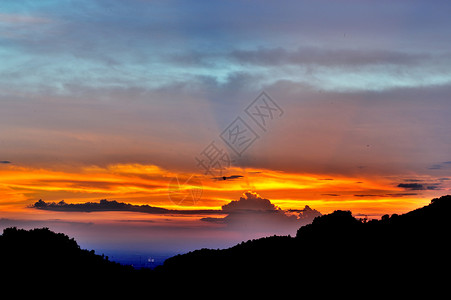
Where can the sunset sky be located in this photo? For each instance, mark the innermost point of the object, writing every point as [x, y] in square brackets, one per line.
[346, 105]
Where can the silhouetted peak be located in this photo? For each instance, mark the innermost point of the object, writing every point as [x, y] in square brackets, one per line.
[436, 212]
[339, 220]
[38, 239]
[442, 201]
[338, 217]
[41, 251]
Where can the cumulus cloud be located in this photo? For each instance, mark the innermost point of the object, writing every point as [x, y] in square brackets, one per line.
[253, 213]
[308, 214]
[250, 201]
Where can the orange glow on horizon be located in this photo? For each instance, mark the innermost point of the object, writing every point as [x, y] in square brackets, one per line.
[148, 184]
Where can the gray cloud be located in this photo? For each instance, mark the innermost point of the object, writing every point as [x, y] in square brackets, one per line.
[440, 166]
[110, 43]
[390, 194]
[123, 74]
[251, 202]
[231, 177]
[307, 214]
[252, 213]
[419, 187]
[402, 194]
[435, 167]
[106, 205]
[412, 186]
[326, 57]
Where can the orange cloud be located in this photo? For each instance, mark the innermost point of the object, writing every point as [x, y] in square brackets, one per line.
[149, 184]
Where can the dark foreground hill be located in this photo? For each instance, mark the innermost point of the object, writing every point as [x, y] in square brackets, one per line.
[45, 259]
[336, 249]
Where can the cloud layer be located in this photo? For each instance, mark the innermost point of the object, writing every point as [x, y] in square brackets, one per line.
[113, 205]
[101, 82]
[104, 44]
[252, 213]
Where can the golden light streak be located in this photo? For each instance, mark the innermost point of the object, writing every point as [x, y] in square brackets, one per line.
[148, 184]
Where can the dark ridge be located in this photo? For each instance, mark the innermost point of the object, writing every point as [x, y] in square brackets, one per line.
[39, 255]
[335, 250]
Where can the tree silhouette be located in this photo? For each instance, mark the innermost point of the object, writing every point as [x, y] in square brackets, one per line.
[334, 247]
[332, 251]
[40, 252]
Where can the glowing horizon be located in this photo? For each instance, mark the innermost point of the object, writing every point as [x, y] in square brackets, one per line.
[149, 184]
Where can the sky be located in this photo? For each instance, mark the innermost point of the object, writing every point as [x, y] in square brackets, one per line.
[196, 104]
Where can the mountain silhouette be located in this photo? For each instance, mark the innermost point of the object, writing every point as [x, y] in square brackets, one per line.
[40, 258]
[335, 250]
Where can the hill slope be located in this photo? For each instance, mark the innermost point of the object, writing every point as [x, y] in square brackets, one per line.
[334, 248]
[40, 255]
